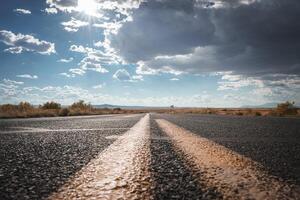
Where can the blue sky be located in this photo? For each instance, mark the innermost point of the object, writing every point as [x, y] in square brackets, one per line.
[152, 53]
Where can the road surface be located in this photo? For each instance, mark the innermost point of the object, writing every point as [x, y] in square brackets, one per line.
[150, 156]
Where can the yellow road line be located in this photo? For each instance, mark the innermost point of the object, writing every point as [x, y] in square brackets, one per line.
[235, 176]
[121, 171]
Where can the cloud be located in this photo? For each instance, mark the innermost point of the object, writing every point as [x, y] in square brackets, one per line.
[66, 60]
[112, 7]
[67, 75]
[20, 43]
[174, 79]
[77, 71]
[14, 50]
[234, 82]
[108, 56]
[123, 75]
[80, 49]
[50, 10]
[14, 92]
[12, 82]
[144, 69]
[9, 88]
[83, 68]
[94, 59]
[266, 88]
[196, 37]
[93, 67]
[100, 86]
[28, 76]
[22, 11]
[63, 5]
[74, 24]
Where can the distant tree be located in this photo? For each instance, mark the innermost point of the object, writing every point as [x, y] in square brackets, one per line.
[172, 106]
[25, 106]
[81, 105]
[51, 105]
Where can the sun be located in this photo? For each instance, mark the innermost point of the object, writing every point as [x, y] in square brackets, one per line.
[89, 7]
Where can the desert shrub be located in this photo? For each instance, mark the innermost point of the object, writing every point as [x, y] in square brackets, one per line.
[257, 114]
[64, 112]
[25, 107]
[8, 108]
[81, 105]
[249, 111]
[239, 113]
[210, 111]
[51, 105]
[286, 108]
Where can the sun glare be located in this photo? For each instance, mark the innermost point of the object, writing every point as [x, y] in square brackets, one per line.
[89, 7]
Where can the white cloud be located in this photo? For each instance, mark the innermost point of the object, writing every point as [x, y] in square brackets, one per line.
[14, 50]
[9, 88]
[174, 79]
[83, 68]
[234, 82]
[109, 27]
[123, 75]
[22, 11]
[80, 49]
[63, 5]
[137, 78]
[20, 43]
[77, 71]
[116, 6]
[74, 24]
[100, 86]
[12, 82]
[98, 44]
[93, 67]
[67, 75]
[94, 59]
[267, 88]
[144, 69]
[66, 60]
[51, 10]
[28, 76]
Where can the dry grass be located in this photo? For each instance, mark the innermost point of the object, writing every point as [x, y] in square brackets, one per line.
[52, 109]
[284, 109]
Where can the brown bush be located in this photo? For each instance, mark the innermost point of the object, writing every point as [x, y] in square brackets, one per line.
[51, 105]
[286, 108]
[64, 112]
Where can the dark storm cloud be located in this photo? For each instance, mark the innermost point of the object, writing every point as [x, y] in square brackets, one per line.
[247, 37]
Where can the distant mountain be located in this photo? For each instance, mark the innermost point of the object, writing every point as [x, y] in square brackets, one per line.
[266, 105]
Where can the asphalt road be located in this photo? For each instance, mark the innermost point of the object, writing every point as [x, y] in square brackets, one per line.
[156, 156]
